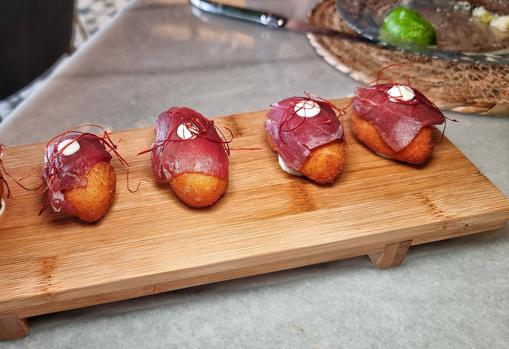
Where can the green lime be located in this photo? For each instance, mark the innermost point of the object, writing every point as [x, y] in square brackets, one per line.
[404, 24]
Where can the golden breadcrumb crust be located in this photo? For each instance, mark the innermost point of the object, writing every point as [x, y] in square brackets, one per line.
[417, 152]
[324, 164]
[93, 201]
[198, 189]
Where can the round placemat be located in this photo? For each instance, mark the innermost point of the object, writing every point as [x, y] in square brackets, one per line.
[459, 87]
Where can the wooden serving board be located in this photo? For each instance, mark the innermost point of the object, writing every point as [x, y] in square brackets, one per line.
[150, 242]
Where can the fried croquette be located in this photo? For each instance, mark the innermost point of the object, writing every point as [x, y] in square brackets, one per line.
[198, 189]
[93, 201]
[325, 163]
[417, 152]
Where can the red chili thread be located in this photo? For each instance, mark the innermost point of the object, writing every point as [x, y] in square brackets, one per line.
[17, 181]
[198, 129]
[292, 112]
[2, 179]
[51, 164]
[132, 191]
[419, 97]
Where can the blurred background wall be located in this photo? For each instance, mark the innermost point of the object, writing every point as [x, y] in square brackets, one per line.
[37, 35]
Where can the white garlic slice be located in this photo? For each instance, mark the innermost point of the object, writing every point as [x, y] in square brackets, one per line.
[69, 146]
[187, 133]
[398, 93]
[307, 108]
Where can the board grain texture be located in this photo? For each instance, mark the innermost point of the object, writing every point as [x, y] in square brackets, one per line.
[150, 242]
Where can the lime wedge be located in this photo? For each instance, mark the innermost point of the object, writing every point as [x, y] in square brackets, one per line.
[404, 24]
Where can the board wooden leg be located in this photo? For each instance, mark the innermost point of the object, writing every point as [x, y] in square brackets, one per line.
[392, 255]
[12, 327]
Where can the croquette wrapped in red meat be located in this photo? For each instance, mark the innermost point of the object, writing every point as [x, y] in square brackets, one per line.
[189, 154]
[308, 137]
[79, 177]
[395, 121]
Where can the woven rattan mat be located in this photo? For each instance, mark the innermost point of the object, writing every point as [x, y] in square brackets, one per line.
[459, 87]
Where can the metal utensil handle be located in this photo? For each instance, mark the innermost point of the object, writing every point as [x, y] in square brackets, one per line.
[270, 20]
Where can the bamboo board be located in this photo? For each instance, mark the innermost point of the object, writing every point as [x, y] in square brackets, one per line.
[150, 242]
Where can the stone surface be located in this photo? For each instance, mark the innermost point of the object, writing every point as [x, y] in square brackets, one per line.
[158, 53]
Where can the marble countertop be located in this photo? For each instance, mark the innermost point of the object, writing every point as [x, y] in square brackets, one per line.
[158, 53]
